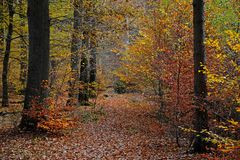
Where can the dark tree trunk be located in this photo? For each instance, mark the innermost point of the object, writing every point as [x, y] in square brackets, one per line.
[93, 61]
[83, 97]
[93, 50]
[6, 55]
[200, 88]
[38, 68]
[75, 51]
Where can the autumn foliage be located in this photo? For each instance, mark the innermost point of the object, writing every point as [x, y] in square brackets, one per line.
[159, 62]
[49, 117]
[121, 78]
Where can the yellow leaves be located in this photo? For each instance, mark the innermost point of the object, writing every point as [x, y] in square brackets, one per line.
[223, 72]
[224, 128]
[232, 34]
[213, 44]
[221, 56]
[236, 47]
[233, 122]
[227, 148]
[215, 78]
[115, 50]
[189, 130]
[233, 40]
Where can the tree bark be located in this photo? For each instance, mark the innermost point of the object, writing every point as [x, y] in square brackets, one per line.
[23, 51]
[88, 58]
[38, 68]
[83, 97]
[93, 67]
[75, 51]
[5, 97]
[1, 27]
[200, 87]
[93, 61]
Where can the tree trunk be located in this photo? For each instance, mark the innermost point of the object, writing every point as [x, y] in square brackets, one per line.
[93, 61]
[75, 51]
[1, 27]
[88, 58]
[200, 88]
[23, 46]
[38, 68]
[83, 97]
[5, 102]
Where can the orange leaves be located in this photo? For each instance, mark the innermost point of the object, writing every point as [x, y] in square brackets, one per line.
[50, 117]
[238, 109]
[161, 58]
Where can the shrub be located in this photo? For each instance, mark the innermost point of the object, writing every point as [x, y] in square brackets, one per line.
[50, 117]
[120, 87]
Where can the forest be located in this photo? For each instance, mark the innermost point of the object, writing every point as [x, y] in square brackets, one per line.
[120, 79]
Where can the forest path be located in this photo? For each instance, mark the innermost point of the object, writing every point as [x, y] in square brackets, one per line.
[126, 131]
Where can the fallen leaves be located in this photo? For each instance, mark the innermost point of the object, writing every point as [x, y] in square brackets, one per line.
[125, 131]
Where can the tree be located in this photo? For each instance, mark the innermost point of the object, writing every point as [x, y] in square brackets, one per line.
[75, 48]
[84, 72]
[200, 81]
[38, 68]
[5, 102]
[1, 27]
[93, 62]
[23, 46]
[88, 57]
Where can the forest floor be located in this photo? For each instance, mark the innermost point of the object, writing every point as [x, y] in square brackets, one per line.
[120, 127]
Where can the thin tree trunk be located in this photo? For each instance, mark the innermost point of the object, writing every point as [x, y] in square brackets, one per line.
[1, 27]
[200, 87]
[23, 52]
[93, 61]
[176, 112]
[38, 69]
[5, 97]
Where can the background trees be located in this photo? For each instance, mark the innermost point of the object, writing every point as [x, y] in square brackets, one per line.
[162, 52]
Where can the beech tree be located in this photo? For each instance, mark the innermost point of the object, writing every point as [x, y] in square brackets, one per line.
[93, 62]
[7, 54]
[200, 81]
[38, 68]
[83, 51]
[88, 55]
[84, 71]
[23, 45]
[1, 28]
[75, 49]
